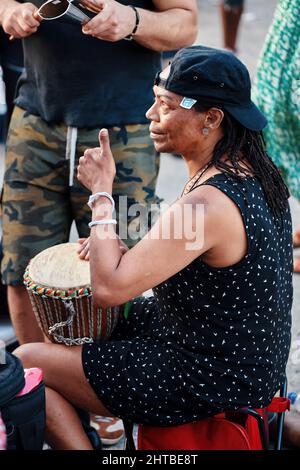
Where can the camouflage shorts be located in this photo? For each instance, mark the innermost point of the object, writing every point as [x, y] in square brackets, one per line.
[38, 205]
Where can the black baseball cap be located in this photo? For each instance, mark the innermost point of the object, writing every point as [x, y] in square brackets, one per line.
[216, 77]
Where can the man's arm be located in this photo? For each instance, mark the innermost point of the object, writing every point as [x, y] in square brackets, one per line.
[18, 19]
[172, 26]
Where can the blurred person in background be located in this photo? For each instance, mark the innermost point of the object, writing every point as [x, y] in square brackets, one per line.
[231, 13]
[277, 93]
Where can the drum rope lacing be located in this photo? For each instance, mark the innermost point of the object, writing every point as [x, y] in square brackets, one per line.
[67, 322]
[53, 305]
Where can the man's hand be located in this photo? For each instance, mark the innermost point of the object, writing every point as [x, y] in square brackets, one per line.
[113, 22]
[171, 25]
[20, 20]
[97, 169]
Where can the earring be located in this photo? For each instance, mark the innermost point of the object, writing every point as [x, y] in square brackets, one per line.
[205, 131]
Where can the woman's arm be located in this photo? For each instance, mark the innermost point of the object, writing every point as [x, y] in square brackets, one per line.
[182, 233]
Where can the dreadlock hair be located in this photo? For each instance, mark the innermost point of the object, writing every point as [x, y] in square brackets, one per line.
[241, 145]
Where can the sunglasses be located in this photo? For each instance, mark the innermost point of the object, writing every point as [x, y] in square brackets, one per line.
[54, 9]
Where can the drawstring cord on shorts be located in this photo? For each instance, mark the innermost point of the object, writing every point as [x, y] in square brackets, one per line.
[123, 135]
[71, 151]
[71, 147]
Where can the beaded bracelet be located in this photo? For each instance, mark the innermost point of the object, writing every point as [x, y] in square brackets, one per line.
[137, 22]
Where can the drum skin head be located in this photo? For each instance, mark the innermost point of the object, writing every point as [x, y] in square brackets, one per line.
[60, 267]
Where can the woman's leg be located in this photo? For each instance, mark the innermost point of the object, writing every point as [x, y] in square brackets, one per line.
[66, 387]
[296, 244]
[63, 426]
[231, 13]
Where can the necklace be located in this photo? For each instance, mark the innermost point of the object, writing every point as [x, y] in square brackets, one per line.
[192, 181]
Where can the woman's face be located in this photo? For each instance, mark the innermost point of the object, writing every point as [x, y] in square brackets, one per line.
[173, 129]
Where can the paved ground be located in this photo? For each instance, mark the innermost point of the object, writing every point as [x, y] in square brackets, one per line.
[173, 175]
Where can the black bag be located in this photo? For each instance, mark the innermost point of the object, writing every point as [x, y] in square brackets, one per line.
[23, 416]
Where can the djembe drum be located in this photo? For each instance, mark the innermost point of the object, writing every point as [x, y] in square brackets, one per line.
[58, 283]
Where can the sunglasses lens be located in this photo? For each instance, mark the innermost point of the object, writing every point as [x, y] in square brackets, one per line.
[53, 9]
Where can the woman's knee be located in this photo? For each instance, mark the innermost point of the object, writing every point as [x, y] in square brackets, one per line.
[28, 354]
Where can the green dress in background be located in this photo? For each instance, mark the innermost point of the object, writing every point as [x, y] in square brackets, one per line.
[277, 91]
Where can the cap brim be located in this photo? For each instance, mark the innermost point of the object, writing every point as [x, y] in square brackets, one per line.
[250, 116]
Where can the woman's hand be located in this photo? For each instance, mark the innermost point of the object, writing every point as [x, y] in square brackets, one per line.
[113, 21]
[123, 248]
[83, 249]
[97, 169]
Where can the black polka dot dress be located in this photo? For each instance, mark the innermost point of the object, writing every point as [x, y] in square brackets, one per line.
[209, 339]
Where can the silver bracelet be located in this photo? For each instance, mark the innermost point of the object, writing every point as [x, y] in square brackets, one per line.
[95, 196]
[102, 222]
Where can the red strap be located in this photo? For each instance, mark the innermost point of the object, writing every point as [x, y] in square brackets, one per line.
[279, 405]
[33, 378]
